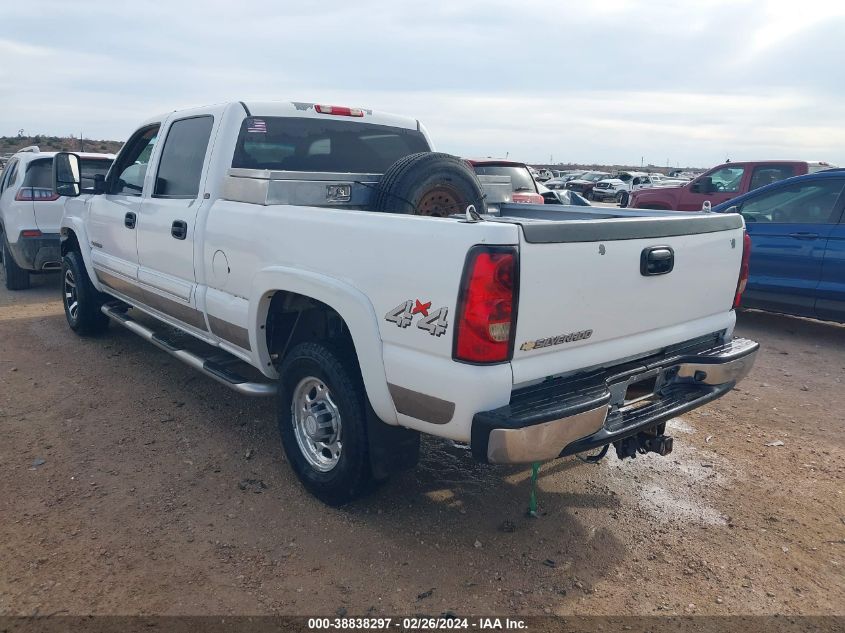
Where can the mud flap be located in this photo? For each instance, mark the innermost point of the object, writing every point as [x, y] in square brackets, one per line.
[392, 448]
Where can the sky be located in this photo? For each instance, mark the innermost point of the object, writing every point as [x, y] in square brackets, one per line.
[675, 82]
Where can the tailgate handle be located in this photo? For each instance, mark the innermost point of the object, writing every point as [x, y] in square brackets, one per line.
[657, 260]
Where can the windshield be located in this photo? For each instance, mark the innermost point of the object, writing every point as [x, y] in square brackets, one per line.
[594, 176]
[521, 179]
[299, 144]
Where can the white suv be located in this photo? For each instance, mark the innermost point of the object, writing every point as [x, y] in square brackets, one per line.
[30, 213]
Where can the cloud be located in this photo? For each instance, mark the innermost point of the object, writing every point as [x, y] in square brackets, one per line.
[609, 81]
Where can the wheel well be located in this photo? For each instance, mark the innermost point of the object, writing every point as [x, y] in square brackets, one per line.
[69, 242]
[293, 318]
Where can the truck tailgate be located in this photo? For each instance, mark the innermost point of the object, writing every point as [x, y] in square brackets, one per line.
[586, 298]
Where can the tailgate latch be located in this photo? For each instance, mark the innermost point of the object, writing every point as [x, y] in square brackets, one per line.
[657, 260]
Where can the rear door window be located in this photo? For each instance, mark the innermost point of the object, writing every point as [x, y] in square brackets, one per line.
[182, 158]
[318, 145]
[9, 175]
[767, 174]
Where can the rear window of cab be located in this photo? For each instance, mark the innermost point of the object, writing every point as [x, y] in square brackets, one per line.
[317, 145]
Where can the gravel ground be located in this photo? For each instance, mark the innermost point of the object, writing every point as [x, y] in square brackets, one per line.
[131, 485]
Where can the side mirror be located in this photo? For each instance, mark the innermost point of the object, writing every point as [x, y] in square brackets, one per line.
[99, 184]
[67, 176]
[702, 185]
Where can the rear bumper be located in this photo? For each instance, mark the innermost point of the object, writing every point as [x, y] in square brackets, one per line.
[580, 413]
[37, 253]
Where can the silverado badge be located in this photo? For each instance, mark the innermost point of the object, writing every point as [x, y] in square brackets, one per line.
[527, 346]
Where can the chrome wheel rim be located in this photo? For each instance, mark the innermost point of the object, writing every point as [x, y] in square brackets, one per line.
[71, 299]
[316, 424]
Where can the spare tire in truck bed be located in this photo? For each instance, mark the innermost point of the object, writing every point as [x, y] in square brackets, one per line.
[428, 183]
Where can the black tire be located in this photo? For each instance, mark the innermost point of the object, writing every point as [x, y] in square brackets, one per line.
[85, 318]
[429, 183]
[622, 198]
[17, 278]
[350, 476]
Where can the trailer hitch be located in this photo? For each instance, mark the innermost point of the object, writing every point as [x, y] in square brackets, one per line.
[643, 443]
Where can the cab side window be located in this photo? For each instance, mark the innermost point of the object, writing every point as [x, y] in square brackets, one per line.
[811, 202]
[132, 163]
[727, 179]
[182, 158]
[767, 174]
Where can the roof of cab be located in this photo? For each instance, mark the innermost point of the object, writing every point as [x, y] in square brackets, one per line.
[299, 109]
[307, 110]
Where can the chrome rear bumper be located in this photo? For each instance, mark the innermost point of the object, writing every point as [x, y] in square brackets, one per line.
[567, 416]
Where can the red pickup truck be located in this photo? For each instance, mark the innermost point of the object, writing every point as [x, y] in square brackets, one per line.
[721, 183]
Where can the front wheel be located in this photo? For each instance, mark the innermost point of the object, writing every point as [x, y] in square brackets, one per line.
[80, 298]
[323, 424]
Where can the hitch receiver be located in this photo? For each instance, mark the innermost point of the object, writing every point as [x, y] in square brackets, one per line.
[644, 443]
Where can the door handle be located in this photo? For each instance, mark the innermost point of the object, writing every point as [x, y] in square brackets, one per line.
[179, 229]
[804, 236]
[129, 220]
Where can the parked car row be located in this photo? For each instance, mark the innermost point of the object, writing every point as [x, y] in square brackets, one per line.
[794, 213]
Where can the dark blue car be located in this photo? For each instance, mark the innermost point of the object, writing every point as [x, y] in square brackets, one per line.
[797, 245]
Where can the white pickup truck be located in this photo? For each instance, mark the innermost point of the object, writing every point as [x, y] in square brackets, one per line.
[328, 256]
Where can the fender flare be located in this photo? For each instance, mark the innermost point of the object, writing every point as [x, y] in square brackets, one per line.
[351, 304]
[75, 226]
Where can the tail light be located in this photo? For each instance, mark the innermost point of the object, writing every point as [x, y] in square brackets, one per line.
[339, 110]
[527, 198]
[31, 233]
[36, 194]
[743, 270]
[487, 305]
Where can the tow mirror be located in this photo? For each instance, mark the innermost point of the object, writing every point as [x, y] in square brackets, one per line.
[67, 176]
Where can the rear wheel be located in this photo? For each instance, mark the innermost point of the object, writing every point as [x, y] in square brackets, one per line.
[17, 278]
[323, 424]
[81, 300]
[622, 198]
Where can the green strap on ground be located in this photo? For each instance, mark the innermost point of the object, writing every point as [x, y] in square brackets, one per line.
[532, 501]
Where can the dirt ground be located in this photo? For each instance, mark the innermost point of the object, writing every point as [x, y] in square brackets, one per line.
[129, 484]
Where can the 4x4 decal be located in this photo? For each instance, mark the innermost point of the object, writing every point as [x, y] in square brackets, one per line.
[434, 322]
